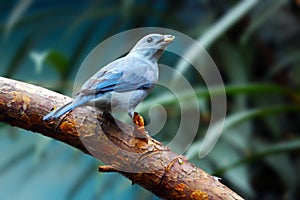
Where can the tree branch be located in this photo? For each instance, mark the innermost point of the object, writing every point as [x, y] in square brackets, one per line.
[147, 162]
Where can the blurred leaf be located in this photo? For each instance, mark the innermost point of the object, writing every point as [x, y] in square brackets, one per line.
[251, 89]
[18, 57]
[15, 157]
[267, 150]
[16, 14]
[83, 178]
[234, 120]
[127, 7]
[78, 50]
[292, 58]
[41, 147]
[38, 59]
[285, 170]
[214, 32]
[263, 12]
[40, 16]
[91, 13]
[222, 155]
[237, 140]
[57, 61]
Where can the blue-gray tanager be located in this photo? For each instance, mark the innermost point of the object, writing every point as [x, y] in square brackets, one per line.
[122, 84]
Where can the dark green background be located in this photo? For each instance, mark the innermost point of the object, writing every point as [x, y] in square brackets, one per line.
[257, 54]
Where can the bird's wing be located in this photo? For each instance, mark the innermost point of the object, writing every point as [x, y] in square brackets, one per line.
[140, 77]
[121, 79]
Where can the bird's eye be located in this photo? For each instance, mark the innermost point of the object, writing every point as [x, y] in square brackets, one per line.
[149, 39]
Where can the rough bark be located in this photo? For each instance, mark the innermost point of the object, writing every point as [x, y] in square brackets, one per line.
[147, 162]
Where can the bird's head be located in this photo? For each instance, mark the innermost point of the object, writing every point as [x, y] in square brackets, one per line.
[152, 46]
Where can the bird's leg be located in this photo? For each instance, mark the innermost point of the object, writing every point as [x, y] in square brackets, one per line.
[138, 120]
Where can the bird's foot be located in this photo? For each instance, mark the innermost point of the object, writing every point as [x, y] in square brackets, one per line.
[140, 131]
[138, 120]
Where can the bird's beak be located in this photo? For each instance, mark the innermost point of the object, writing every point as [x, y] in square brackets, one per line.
[168, 38]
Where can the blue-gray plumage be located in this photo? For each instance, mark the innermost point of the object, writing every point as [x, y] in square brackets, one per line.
[122, 84]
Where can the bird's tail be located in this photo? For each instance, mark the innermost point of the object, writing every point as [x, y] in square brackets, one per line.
[63, 110]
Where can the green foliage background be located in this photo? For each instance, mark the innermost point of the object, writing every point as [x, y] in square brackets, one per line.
[255, 45]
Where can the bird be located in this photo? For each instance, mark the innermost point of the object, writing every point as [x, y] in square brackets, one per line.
[124, 83]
